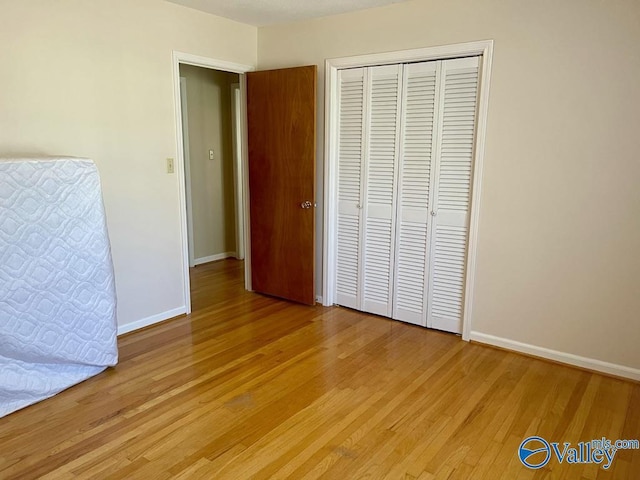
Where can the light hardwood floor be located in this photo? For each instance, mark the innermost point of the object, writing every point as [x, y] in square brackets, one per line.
[254, 387]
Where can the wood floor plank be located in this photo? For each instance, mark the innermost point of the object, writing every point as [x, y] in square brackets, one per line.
[249, 386]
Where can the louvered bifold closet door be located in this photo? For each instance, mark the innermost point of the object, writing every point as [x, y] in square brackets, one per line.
[350, 178]
[384, 86]
[454, 158]
[415, 184]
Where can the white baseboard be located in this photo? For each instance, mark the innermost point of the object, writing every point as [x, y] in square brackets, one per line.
[213, 258]
[562, 357]
[145, 322]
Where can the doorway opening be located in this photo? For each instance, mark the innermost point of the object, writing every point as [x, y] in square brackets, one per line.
[211, 170]
[211, 164]
[211, 149]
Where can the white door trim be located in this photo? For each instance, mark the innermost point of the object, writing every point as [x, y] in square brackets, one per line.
[189, 59]
[245, 179]
[238, 174]
[483, 48]
[187, 171]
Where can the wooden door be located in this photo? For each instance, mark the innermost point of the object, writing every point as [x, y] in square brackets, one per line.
[281, 115]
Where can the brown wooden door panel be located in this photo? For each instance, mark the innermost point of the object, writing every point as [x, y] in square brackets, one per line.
[281, 114]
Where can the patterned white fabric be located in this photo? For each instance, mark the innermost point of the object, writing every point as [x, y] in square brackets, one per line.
[57, 293]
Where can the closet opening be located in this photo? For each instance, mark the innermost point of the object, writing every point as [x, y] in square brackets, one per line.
[404, 148]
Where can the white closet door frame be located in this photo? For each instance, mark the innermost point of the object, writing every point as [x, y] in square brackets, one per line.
[485, 50]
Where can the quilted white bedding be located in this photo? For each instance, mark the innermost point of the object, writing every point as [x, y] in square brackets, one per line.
[57, 293]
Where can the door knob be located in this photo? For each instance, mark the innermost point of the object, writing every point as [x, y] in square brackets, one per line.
[306, 204]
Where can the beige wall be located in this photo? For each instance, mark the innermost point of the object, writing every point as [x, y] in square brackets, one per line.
[94, 78]
[559, 235]
[212, 189]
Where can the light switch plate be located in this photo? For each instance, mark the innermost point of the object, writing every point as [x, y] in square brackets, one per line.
[170, 165]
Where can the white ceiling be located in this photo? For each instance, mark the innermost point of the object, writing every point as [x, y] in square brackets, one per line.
[269, 12]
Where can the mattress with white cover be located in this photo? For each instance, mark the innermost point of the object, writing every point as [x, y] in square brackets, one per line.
[57, 294]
